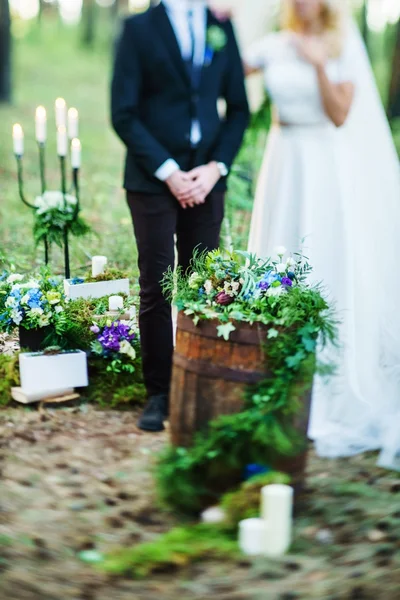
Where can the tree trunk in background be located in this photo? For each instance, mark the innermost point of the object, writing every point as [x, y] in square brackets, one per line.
[5, 52]
[89, 22]
[394, 93]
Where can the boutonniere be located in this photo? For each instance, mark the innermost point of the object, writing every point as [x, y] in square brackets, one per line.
[216, 42]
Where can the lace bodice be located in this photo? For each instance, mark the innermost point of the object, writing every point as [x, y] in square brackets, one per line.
[291, 82]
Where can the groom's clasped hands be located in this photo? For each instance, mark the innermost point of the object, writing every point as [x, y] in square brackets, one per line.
[192, 188]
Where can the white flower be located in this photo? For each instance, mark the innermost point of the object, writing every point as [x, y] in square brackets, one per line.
[44, 320]
[235, 286]
[195, 281]
[126, 348]
[280, 251]
[36, 312]
[14, 277]
[208, 286]
[58, 309]
[53, 200]
[275, 291]
[16, 316]
[25, 299]
[11, 302]
[281, 268]
[290, 261]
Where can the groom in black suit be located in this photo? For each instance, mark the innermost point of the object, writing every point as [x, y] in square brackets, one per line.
[173, 64]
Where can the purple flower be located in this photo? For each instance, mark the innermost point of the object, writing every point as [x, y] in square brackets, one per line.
[286, 281]
[224, 299]
[95, 329]
[112, 336]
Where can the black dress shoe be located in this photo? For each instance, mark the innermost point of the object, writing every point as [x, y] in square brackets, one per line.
[154, 414]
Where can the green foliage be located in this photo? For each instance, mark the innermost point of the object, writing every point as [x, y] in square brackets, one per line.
[192, 478]
[9, 377]
[176, 549]
[114, 390]
[245, 502]
[52, 224]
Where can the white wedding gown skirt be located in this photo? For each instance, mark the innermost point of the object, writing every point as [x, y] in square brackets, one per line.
[315, 196]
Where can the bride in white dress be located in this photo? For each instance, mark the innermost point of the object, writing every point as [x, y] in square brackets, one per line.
[329, 186]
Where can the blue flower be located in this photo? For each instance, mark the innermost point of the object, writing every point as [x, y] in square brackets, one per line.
[77, 280]
[3, 276]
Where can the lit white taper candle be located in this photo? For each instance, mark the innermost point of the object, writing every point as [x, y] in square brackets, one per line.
[98, 265]
[62, 141]
[76, 154]
[41, 124]
[18, 139]
[61, 112]
[73, 123]
[276, 510]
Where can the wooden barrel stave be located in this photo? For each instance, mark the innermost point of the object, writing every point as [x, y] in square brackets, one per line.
[211, 376]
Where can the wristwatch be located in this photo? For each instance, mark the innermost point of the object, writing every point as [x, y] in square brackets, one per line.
[223, 169]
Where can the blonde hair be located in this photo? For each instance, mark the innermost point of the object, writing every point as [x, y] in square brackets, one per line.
[331, 19]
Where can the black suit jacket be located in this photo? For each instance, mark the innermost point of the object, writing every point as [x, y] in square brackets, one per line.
[154, 101]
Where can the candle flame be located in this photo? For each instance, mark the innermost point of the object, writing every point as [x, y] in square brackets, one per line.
[60, 102]
[62, 130]
[17, 130]
[76, 143]
[73, 113]
[41, 113]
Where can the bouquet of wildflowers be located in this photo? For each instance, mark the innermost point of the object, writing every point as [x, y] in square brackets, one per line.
[30, 302]
[118, 343]
[240, 287]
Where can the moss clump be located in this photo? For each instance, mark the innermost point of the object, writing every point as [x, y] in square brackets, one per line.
[177, 548]
[108, 275]
[9, 377]
[245, 502]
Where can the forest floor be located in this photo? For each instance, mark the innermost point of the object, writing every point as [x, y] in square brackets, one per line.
[80, 478]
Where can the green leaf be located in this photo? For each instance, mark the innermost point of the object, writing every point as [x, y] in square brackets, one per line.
[225, 330]
[272, 333]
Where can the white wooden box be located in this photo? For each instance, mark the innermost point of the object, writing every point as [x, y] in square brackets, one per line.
[97, 289]
[50, 373]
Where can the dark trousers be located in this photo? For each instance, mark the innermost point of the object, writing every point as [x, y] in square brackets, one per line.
[156, 220]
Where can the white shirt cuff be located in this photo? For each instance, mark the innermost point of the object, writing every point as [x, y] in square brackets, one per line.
[167, 169]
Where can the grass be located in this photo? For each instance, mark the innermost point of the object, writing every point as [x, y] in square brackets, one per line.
[50, 62]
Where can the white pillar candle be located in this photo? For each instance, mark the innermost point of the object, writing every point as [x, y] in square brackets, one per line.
[18, 139]
[98, 265]
[115, 303]
[61, 112]
[62, 141]
[76, 151]
[73, 123]
[276, 510]
[252, 534]
[41, 124]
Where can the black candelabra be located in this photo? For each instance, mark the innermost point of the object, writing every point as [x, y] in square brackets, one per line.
[64, 185]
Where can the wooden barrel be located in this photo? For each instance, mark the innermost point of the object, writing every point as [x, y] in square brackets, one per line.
[210, 377]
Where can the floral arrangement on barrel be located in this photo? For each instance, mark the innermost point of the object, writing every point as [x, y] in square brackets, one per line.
[118, 344]
[239, 286]
[31, 302]
[229, 289]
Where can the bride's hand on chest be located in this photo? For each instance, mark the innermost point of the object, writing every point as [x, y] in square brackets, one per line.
[311, 49]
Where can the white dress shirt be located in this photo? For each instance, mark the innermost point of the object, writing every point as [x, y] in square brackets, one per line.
[179, 13]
